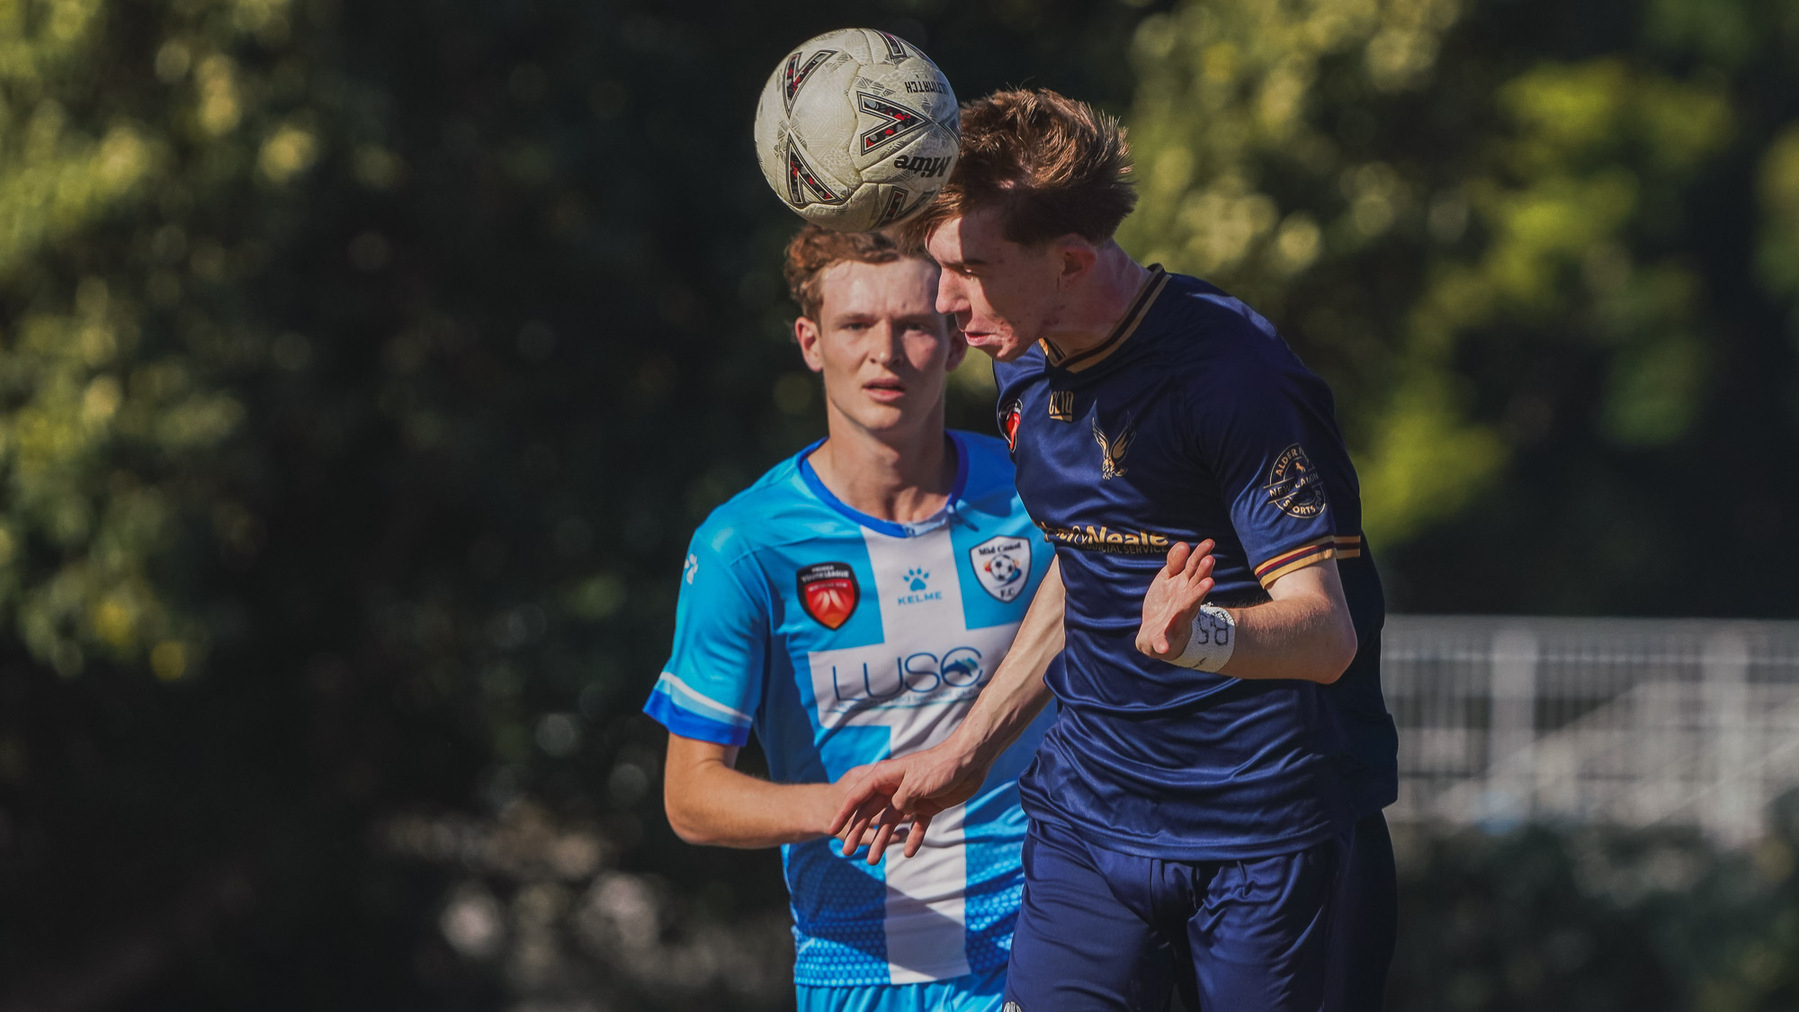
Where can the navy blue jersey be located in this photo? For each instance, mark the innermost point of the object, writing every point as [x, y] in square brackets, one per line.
[1194, 420]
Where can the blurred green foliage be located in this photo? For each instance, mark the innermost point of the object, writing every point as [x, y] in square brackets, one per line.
[364, 368]
[363, 371]
[1518, 238]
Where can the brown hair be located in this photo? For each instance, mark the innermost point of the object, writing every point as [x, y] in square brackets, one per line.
[815, 249]
[1051, 165]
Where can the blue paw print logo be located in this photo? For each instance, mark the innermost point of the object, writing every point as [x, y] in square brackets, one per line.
[915, 578]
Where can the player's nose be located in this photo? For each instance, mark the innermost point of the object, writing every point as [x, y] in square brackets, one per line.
[951, 299]
[884, 342]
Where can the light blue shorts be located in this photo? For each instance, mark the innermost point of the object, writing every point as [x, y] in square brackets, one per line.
[977, 992]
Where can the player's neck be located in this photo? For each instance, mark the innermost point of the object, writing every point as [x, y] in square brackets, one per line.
[901, 478]
[1095, 308]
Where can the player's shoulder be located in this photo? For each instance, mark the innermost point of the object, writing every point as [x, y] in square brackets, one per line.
[774, 509]
[988, 459]
[991, 484]
[1220, 347]
[1222, 324]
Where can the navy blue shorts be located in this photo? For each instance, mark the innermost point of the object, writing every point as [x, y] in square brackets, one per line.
[1364, 921]
[1102, 930]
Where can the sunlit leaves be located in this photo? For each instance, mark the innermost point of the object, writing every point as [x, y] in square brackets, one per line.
[105, 435]
[1305, 154]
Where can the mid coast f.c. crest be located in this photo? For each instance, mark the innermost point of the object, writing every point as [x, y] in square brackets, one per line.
[1003, 565]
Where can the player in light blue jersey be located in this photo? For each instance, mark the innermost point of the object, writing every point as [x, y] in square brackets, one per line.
[847, 607]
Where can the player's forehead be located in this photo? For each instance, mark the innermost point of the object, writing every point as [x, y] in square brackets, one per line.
[974, 238]
[906, 285]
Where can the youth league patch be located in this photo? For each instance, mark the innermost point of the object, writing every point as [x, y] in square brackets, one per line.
[828, 592]
[1003, 566]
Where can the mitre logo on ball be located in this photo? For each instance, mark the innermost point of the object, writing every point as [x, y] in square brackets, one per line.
[857, 129]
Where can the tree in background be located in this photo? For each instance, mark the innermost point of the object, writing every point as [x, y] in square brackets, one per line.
[363, 370]
[1547, 254]
[364, 367]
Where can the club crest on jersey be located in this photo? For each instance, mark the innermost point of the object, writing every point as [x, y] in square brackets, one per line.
[1294, 486]
[1003, 566]
[1008, 424]
[829, 593]
[1113, 448]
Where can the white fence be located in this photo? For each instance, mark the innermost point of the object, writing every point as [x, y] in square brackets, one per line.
[1634, 722]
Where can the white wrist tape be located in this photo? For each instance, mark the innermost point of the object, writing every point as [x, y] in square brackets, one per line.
[1213, 638]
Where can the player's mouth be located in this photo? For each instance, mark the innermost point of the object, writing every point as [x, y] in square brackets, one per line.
[989, 342]
[886, 391]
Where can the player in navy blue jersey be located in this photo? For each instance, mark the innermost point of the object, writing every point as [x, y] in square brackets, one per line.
[1214, 778]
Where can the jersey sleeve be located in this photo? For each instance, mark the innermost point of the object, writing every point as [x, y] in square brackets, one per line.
[713, 679]
[1257, 419]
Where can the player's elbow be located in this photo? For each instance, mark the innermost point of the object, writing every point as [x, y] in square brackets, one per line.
[1336, 649]
[688, 823]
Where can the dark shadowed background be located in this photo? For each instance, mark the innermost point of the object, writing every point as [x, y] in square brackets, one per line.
[364, 368]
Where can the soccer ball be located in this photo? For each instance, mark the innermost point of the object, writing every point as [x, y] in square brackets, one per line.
[857, 130]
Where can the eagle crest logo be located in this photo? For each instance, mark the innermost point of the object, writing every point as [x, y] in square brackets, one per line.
[1112, 449]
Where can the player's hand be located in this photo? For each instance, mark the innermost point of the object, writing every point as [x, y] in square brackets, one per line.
[880, 799]
[1174, 598]
[834, 801]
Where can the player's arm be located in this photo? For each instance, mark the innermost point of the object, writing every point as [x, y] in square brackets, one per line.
[710, 802]
[1304, 631]
[918, 786]
[1016, 694]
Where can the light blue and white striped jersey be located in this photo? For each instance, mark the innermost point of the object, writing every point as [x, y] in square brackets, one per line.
[843, 639]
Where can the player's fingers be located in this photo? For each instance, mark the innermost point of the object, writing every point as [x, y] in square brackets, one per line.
[855, 832]
[845, 812]
[1177, 558]
[882, 837]
[1192, 562]
[915, 838]
[859, 789]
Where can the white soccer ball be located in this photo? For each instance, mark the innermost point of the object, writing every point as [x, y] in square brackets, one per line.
[857, 130]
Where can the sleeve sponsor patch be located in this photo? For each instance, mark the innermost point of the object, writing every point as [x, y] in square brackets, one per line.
[1294, 487]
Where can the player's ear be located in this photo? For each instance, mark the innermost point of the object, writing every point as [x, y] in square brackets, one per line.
[1077, 257]
[806, 334]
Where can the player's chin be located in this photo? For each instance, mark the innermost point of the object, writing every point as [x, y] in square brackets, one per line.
[887, 417]
[999, 347]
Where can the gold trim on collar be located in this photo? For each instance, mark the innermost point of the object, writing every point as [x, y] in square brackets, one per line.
[1158, 279]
